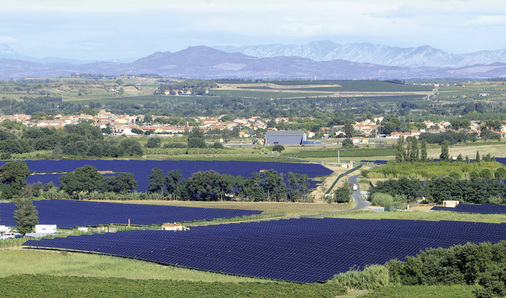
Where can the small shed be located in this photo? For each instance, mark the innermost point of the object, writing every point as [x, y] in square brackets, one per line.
[172, 227]
[45, 229]
[450, 204]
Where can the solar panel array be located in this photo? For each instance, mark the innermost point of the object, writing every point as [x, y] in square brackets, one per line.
[469, 208]
[378, 161]
[67, 213]
[142, 168]
[299, 250]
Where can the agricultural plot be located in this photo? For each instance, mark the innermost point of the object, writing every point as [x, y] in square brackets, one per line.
[299, 250]
[69, 214]
[141, 169]
[468, 208]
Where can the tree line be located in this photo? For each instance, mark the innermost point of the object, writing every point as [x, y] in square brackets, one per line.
[81, 139]
[437, 190]
[212, 186]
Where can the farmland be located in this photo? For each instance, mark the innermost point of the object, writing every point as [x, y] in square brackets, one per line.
[307, 105]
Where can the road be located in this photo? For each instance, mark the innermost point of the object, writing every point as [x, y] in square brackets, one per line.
[357, 197]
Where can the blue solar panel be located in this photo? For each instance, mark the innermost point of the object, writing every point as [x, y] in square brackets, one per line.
[469, 208]
[67, 213]
[142, 168]
[300, 250]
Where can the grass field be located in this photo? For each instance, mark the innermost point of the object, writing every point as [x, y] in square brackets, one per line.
[54, 286]
[441, 291]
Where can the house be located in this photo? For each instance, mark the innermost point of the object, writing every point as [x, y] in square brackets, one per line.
[285, 137]
[173, 227]
[359, 140]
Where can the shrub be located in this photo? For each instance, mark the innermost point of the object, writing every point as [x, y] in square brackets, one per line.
[486, 174]
[500, 173]
[278, 148]
[372, 277]
[454, 175]
[382, 199]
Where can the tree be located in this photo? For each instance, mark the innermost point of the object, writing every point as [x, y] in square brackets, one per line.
[196, 138]
[25, 215]
[347, 143]
[83, 179]
[382, 199]
[500, 173]
[444, 156]
[400, 155]
[13, 178]
[154, 142]
[123, 183]
[157, 180]
[423, 150]
[348, 130]
[414, 153]
[486, 174]
[131, 147]
[298, 186]
[477, 158]
[343, 194]
[172, 182]
[278, 148]
[274, 185]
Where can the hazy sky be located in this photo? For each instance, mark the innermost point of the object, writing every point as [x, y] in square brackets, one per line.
[106, 29]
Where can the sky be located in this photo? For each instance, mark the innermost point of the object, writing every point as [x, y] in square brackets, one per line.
[117, 29]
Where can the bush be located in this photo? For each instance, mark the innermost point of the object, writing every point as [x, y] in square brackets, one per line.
[382, 199]
[454, 175]
[343, 194]
[278, 148]
[372, 277]
[486, 174]
[500, 173]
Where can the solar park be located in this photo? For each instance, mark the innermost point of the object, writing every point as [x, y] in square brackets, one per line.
[305, 250]
[469, 208]
[70, 214]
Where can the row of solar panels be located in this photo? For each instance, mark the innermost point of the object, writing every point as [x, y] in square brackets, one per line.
[468, 208]
[142, 168]
[68, 213]
[299, 250]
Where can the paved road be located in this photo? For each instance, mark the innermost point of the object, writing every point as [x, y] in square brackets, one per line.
[357, 197]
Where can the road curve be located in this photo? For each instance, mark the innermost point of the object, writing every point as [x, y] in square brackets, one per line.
[357, 197]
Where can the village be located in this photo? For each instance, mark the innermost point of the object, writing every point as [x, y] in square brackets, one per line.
[131, 125]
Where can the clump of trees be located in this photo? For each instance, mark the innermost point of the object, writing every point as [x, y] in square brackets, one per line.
[82, 140]
[437, 190]
[213, 186]
[87, 179]
[483, 264]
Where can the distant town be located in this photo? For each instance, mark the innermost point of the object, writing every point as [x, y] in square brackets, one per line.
[130, 125]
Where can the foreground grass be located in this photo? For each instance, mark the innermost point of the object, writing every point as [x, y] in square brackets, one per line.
[54, 286]
[421, 215]
[454, 291]
[78, 264]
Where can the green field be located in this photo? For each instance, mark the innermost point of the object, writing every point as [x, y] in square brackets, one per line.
[55, 286]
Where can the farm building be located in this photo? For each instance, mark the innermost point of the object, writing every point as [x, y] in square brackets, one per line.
[173, 227]
[285, 137]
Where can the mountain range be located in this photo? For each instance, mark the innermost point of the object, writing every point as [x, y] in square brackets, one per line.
[315, 60]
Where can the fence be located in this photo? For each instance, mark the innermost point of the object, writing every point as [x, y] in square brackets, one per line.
[340, 176]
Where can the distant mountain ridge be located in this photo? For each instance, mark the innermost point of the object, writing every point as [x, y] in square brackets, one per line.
[375, 54]
[203, 62]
